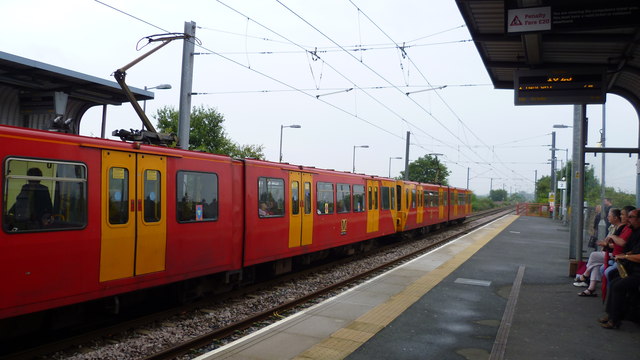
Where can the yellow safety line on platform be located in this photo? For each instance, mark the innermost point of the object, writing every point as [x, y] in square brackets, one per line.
[348, 339]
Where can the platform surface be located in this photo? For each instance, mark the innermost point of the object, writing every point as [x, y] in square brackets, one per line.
[450, 304]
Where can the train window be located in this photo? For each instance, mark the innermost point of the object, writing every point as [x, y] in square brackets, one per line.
[270, 197]
[307, 198]
[196, 196]
[358, 198]
[406, 192]
[375, 198]
[152, 201]
[42, 195]
[370, 195]
[393, 197]
[384, 193]
[343, 195]
[425, 198]
[295, 198]
[118, 195]
[413, 198]
[446, 198]
[325, 198]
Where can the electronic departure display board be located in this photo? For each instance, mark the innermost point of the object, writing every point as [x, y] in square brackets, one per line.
[559, 87]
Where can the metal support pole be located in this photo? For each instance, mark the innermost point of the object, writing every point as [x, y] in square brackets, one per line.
[577, 182]
[354, 159]
[186, 85]
[104, 121]
[280, 158]
[406, 157]
[554, 183]
[602, 226]
[468, 169]
[535, 186]
[566, 185]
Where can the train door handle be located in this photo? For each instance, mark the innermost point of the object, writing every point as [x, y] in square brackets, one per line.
[133, 205]
[139, 204]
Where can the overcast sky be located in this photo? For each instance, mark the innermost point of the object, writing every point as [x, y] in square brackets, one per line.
[256, 69]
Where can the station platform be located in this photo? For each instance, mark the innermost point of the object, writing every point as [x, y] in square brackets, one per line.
[500, 292]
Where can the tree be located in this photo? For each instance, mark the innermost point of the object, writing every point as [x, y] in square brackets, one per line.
[206, 133]
[428, 169]
[498, 195]
[543, 187]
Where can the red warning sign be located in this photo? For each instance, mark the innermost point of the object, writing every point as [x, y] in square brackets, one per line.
[529, 19]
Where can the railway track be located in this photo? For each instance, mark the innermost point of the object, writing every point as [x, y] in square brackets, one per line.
[233, 330]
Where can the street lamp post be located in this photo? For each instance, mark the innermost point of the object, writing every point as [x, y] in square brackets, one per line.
[354, 155]
[566, 170]
[437, 164]
[393, 158]
[565, 179]
[159, 87]
[281, 128]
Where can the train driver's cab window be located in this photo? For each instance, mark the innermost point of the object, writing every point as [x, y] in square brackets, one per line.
[343, 195]
[324, 196]
[270, 197]
[358, 198]
[42, 195]
[196, 196]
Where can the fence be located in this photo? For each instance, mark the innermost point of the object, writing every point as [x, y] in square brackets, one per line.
[532, 209]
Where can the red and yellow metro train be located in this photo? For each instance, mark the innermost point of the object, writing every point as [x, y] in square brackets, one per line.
[86, 218]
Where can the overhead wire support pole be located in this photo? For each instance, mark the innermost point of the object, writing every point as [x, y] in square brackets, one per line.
[406, 157]
[602, 226]
[121, 73]
[186, 86]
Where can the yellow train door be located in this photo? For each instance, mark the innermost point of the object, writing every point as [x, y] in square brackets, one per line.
[300, 211]
[373, 209]
[419, 205]
[133, 240]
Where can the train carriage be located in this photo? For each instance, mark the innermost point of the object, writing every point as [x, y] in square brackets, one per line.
[460, 202]
[113, 225]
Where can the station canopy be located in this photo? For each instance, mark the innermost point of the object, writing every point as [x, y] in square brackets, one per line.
[33, 93]
[560, 51]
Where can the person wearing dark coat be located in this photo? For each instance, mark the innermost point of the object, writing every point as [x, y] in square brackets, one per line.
[33, 207]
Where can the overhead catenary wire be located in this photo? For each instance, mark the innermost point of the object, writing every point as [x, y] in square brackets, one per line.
[337, 71]
[293, 88]
[376, 73]
[437, 93]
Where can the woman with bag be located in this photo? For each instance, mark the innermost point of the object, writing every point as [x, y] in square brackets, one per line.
[613, 242]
